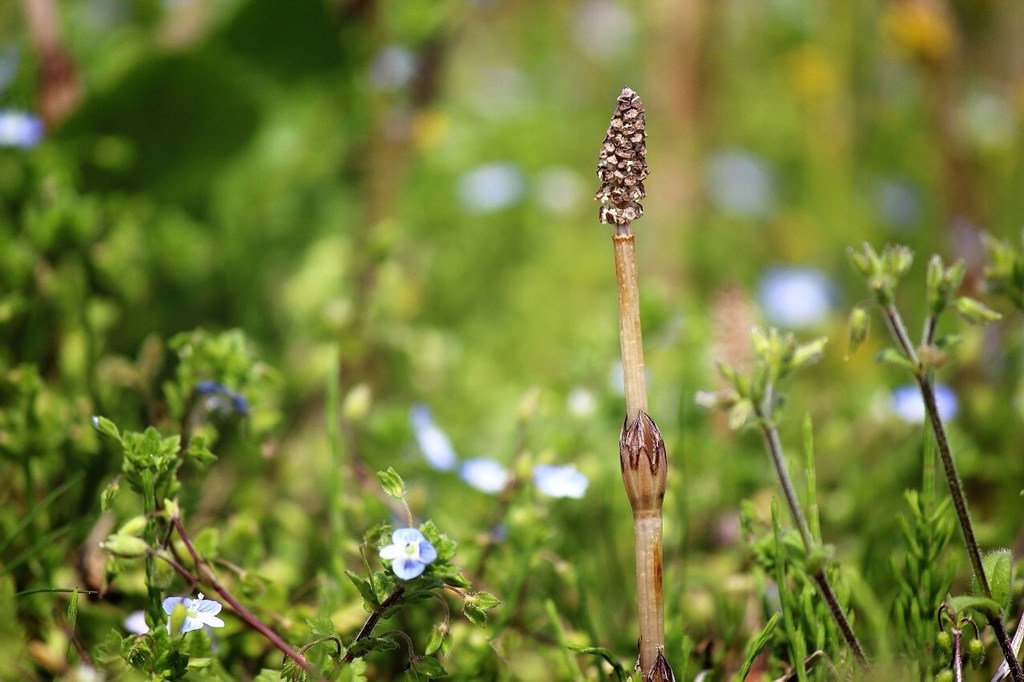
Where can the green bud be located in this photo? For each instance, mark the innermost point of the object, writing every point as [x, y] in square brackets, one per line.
[975, 312]
[717, 400]
[760, 340]
[944, 676]
[125, 546]
[808, 353]
[740, 414]
[133, 526]
[944, 642]
[859, 325]
[975, 653]
[106, 427]
[897, 260]
[392, 483]
[866, 262]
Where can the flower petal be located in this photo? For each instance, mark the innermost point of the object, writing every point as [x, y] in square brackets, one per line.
[390, 552]
[427, 552]
[206, 606]
[171, 602]
[407, 536]
[407, 569]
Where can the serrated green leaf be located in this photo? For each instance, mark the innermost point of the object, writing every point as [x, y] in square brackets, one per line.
[485, 601]
[321, 626]
[475, 616]
[427, 667]
[365, 590]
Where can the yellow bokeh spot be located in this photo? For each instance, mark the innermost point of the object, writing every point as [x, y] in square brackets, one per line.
[811, 72]
[429, 126]
[920, 31]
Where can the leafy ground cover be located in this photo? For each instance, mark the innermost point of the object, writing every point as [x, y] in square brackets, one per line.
[309, 339]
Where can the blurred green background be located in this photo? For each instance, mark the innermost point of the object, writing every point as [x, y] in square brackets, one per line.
[405, 188]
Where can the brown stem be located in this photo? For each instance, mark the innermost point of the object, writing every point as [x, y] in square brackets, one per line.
[206, 576]
[631, 344]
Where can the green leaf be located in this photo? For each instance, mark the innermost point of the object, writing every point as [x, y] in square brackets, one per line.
[620, 671]
[392, 483]
[757, 644]
[998, 565]
[426, 667]
[321, 626]
[484, 601]
[440, 639]
[365, 590]
[476, 616]
[985, 606]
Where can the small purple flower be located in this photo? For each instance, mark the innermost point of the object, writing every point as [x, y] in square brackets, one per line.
[409, 553]
[433, 442]
[795, 297]
[20, 129]
[484, 474]
[199, 613]
[908, 405]
[560, 481]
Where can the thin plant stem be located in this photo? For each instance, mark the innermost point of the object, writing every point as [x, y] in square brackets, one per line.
[374, 618]
[204, 574]
[774, 446]
[956, 487]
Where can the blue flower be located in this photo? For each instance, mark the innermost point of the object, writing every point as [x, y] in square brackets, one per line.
[135, 623]
[484, 474]
[20, 129]
[795, 297]
[741, 183]
[491, 188]
[908, 405]
[216, 393]
[433, 442]
[409, 553]
[560, 481]
[198, 613]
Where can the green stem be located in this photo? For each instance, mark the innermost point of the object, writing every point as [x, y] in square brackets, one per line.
[774, 446]
[956, 487]
[153, 608]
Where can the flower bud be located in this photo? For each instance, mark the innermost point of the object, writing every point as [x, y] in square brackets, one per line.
[133, 526]
[125, 546]
[976, 312]
[975, 653]
[860, 324]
